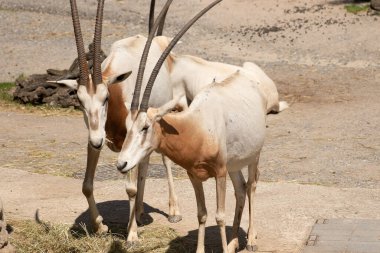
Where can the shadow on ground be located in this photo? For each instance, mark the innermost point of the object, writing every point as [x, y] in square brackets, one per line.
[115, 215]
[213, 243]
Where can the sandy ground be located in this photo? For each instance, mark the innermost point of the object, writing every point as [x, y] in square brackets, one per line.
[284, 212]
[321, 157]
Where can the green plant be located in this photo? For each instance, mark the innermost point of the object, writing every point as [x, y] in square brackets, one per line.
[355, 9]
[4, 91]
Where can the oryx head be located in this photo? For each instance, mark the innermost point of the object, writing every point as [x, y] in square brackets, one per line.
[142, 136]
[92, 92]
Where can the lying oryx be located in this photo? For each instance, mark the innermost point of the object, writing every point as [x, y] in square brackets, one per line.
[221, 132]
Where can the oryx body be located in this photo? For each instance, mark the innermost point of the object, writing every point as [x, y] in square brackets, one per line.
[221, 132]
[188, 75]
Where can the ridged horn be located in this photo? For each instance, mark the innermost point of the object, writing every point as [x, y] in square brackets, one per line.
[149, 86]
[97, 72]
[151, 15]
[144, 57]
[151, 19]
[83, 67]
[162, 24]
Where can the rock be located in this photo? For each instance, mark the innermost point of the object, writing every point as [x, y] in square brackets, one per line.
[375, 4]
[36, 90]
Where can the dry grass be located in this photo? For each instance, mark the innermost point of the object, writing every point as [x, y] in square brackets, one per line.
[28, 236]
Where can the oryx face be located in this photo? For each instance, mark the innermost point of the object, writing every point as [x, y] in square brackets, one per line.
[140, 141]
[94, 106]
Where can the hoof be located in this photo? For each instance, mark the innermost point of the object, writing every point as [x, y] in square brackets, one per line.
[251, 248]
[144, 219]
[132, 244]
[174, 218]
[102, 229]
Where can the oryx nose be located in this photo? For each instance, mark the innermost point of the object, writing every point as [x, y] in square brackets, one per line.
[97, 143]
[121, 165]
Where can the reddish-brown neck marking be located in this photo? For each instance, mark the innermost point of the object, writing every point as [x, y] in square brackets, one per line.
[116, 115]
[188, 145]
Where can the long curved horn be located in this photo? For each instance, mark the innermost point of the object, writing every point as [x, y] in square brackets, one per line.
[161, 26]
[151, 19]
[97, 72]
[148, 89]
[144, 57]
[151, 15]
[83, 67]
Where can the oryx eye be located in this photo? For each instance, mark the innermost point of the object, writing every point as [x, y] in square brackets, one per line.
[145, 128]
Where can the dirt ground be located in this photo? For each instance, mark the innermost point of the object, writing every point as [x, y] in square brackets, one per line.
[321, 157]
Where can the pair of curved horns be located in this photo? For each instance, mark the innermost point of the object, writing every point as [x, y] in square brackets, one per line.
[83, 66]
[151, 19]
[144, 57]
[153, 76]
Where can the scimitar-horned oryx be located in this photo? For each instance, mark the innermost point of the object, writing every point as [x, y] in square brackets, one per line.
[104, 114]
[221, 132]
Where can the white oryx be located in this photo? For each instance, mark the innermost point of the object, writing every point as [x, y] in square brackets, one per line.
[221, 132]
[188, 75]
[103, 104]
[105, 113]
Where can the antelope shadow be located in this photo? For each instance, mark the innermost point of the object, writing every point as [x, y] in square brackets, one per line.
[115, 215]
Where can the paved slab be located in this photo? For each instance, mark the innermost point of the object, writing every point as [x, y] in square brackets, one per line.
[344, 236]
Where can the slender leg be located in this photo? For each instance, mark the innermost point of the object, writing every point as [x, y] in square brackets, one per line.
[238, 182]
[253, 177]
[131, 189]
[142, 172]
[174, 213]
[88, 189]
[220, 209]
[202, 212]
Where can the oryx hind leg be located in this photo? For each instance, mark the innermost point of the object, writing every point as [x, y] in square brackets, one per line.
[174, 213]
[239, 184]
[88, 189]
[253, 177]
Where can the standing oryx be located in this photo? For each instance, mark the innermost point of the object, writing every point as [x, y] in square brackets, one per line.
[221, 132]
[181, 68]
[105, 113]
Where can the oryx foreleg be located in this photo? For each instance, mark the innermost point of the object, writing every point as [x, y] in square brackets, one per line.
[220, 209]
[135, 189]
[88, 189]
[174, 213]
[142, 173]
[202, 212]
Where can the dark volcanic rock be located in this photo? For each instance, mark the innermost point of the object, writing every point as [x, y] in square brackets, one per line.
[35, 90]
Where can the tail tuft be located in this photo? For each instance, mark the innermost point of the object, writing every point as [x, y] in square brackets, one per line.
[282, 105]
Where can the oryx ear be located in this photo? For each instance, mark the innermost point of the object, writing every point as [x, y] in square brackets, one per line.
[117, 79]
[73, 84]
[167, 108]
